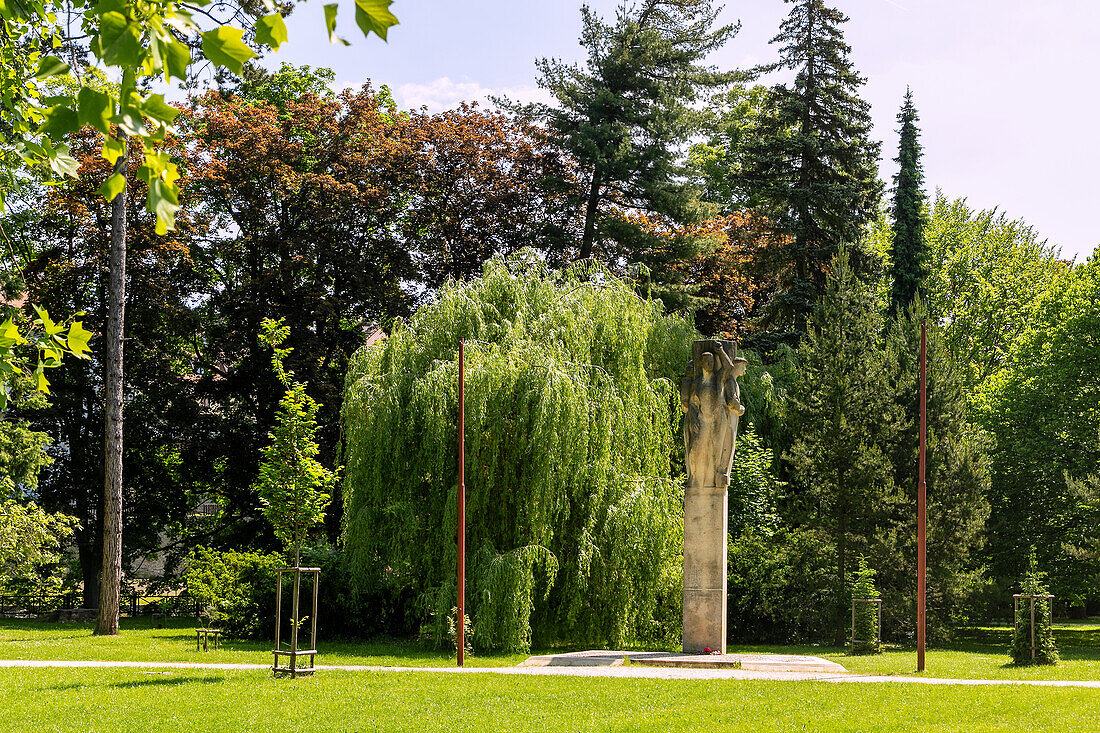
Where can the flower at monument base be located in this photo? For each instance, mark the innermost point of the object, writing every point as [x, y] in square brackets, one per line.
[707, 650]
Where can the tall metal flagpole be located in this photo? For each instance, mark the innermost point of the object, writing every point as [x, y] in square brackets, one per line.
[460, 622]
[922, 498]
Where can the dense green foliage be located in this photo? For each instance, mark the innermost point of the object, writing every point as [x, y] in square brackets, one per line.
[986, 274]
[574, 506]
[754, 490]
[141, 43]
[958, 480]
[908, 254]
[1042, 409]
[812, 162]
[842, 410]
[730, 121]
[342, 213]
[31, 539]
[780, 585]
[234, 590]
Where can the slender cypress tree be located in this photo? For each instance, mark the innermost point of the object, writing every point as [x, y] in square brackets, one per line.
[812, 163]
[908, 250]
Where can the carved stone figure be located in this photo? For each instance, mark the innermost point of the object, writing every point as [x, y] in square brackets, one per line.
[711, 401]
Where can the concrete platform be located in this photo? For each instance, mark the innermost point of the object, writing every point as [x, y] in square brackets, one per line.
[751, 662]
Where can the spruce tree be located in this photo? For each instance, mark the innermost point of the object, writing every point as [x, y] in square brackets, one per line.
[812, 163]
[846, 421]
[908, 250]
[628, 113]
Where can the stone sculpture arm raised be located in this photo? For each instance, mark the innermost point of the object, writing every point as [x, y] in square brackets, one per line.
[730, 370]
[733, 393]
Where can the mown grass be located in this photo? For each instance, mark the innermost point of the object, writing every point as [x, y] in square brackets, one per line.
[983, 655]
[198, 700]
[137, 642]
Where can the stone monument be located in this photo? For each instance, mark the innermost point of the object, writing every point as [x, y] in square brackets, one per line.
[711, 401]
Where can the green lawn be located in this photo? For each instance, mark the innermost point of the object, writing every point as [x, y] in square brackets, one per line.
[982, 656]
[149, 701]
[137, 642]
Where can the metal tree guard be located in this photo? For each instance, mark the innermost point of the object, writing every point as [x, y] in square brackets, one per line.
[878, 624]
[1016, 613]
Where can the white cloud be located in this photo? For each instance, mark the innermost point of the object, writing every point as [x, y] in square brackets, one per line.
[444, 93]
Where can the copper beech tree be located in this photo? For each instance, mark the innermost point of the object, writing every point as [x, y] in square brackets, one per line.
[339, 213]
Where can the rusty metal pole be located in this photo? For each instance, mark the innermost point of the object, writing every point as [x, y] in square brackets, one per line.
[461, 620]
[922, 498]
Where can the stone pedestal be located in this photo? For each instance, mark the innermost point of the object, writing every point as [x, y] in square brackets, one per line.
[705, 519]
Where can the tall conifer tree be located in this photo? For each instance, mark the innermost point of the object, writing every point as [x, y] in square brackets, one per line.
[843, 413]
[812, 163]
[627, 114]
[908, 250]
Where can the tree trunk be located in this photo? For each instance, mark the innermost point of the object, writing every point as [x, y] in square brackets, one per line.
[590, 214]
[111, 576]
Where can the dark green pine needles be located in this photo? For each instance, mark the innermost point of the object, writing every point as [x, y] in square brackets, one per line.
[627, 115]
[812, 163]
[908, 250]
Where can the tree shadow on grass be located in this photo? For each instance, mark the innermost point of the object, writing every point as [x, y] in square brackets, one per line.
[174, 681]
[170, 682]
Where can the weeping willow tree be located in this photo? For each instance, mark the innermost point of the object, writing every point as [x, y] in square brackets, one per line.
[574, 483]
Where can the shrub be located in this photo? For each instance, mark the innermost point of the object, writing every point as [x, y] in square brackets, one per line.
[866, 631]
[234, 589]
[778, 585]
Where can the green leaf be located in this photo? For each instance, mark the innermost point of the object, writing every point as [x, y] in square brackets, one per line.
[95, 109]
[271, 30]
[61, 162]
[41, 384]
[113, 186]
[330, 23]
[119, 41]
[50, 66]
[112, 149]
[130, 119]
[59, 122]
[164, 202]
[78, 339]
[223, 46]
[176, 60]
[9, 334]
[154, 106]
[374, 15]
[108, 6]
[46, 322]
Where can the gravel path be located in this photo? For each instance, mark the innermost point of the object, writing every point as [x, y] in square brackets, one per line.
[633, 672]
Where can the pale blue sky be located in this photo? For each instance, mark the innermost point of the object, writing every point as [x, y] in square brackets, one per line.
[1006, 89]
